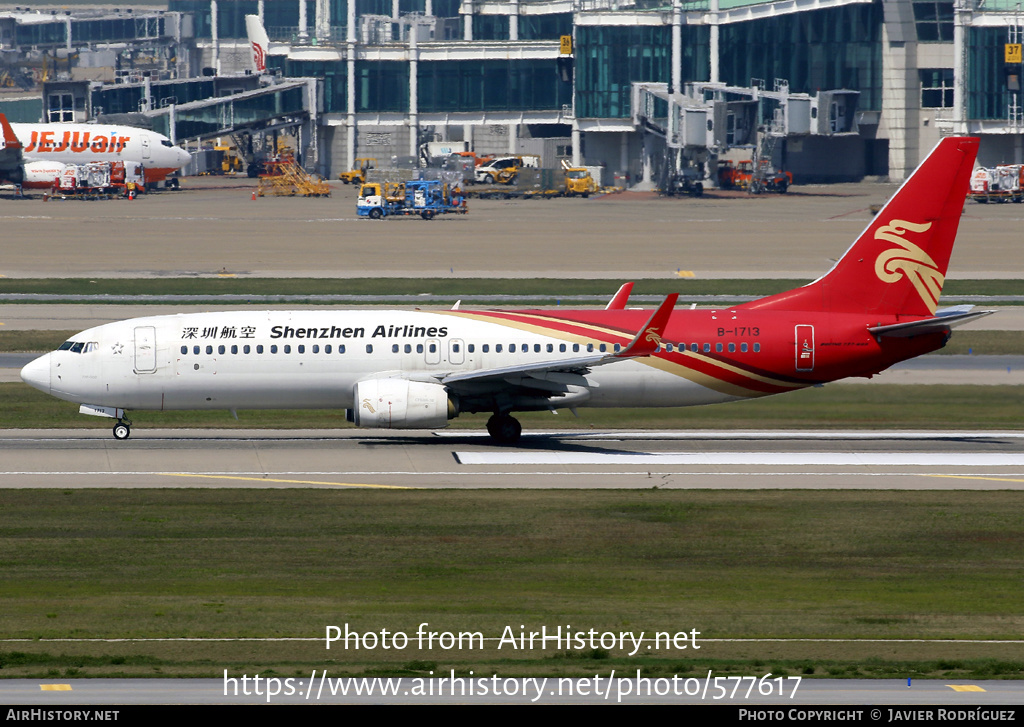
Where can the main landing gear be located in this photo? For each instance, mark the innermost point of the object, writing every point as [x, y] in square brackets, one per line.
[504, 429]
[123, 429]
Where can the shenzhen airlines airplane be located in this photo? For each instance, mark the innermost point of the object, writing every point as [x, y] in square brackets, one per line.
[33, 155]
[418, 369]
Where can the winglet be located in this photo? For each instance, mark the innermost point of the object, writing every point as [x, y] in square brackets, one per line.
[648, 338]
[619, 300]
[10, 139]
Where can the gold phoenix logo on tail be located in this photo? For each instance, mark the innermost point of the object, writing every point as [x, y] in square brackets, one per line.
[652, 336]
[911, 261]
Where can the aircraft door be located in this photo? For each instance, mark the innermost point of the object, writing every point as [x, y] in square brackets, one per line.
[144, 138]
[804, 348]
[432, 351]
[456, 351]
[145, 349]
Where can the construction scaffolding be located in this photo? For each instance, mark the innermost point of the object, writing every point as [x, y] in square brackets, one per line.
[285, 178]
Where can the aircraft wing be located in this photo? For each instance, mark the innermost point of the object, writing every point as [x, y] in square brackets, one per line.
[10, 152]
[557, 373]
[943, 321]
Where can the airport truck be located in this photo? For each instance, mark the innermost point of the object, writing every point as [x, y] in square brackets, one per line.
[424, 197]
[1004, 183]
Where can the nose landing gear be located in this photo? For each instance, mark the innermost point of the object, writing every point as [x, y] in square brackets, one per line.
[123, 429]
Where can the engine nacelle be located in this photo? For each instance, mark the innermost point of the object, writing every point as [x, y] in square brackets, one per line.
[401, 404]
[42, 175]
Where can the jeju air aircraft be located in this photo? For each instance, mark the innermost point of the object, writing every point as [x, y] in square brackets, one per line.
[417, 369]
[34, 155]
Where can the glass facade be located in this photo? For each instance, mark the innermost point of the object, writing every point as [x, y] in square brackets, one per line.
[211, 119]
[490, 27]
[836, 48]
[40, 33]
[987, 95]
[934, 21]
[936, 88]
[382, 86]
[545, 27]
[276, 14]
[126, 99]
[502, 85]
[611, 58]
[333, 74]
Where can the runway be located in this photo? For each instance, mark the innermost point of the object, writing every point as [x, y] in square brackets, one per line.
[884, 460]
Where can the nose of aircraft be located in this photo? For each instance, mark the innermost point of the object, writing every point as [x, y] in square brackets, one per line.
[37, 373]
[183, 156]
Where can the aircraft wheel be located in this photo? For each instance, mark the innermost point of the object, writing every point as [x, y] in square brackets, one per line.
[504, 429]
[427, 215]
[376, 214]
[122, 431]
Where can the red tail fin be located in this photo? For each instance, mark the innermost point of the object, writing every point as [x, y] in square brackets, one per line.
[10, 140]
[899, 262]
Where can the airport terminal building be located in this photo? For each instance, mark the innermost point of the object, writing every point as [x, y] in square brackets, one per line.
[610, 83]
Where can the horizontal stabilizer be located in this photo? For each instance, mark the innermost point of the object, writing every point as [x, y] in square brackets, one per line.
[619, 300]
[942, 322]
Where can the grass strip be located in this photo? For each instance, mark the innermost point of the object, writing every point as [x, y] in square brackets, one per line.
[891, 406]
[750, 564]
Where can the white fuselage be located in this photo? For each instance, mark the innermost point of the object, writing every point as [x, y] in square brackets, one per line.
[314, 359]
[46, 148]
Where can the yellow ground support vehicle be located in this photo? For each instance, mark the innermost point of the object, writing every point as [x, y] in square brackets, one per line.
[357, 175]
[579, 182]
[283, 177]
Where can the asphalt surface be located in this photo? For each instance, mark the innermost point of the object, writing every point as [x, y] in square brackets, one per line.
[468, 460]
[214, 227]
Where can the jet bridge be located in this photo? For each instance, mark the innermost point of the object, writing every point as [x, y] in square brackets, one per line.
[708, 119]
[251, 107]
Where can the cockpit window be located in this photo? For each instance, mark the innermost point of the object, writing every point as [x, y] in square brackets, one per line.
[165, 142]
[78, 346]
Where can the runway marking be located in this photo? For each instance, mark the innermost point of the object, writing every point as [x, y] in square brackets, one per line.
[977, 477]
[289, 482]
[841, 459]
[626, 435]
[262, 477]
[55, 687]
[965, 687]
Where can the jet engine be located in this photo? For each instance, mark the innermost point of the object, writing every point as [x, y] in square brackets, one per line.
[401, 404]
